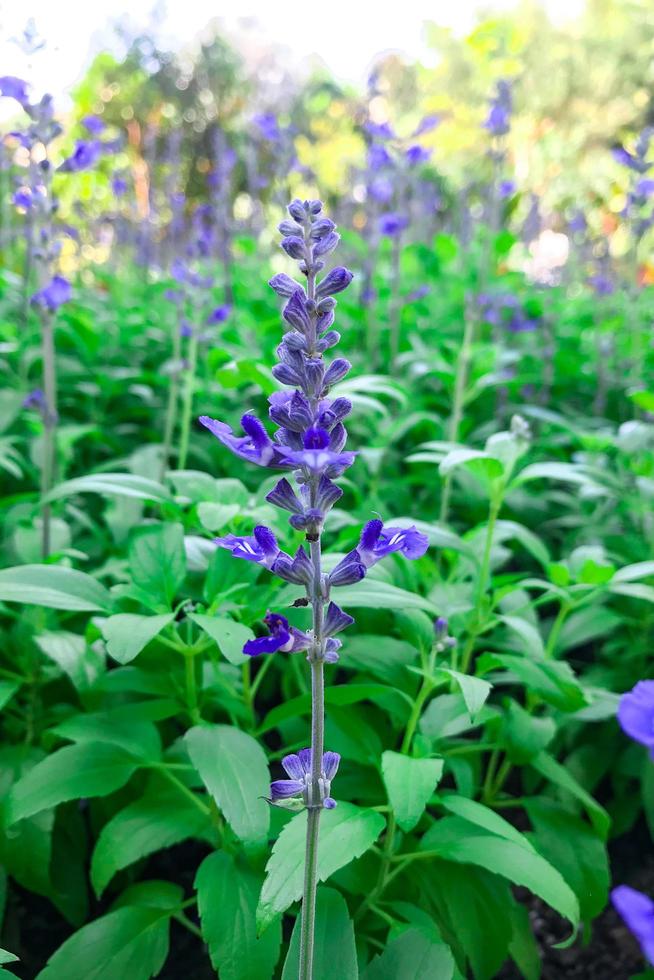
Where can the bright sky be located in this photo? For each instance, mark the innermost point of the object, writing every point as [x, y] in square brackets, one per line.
[345, 34]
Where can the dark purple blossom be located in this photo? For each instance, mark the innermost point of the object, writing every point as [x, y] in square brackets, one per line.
[298, 768]
[57, 292]
[260, 547]
[637, 911]
[283, 637]
[318, 454]
[378, 541]
[22, 198]
[255, 446]
[35, 399]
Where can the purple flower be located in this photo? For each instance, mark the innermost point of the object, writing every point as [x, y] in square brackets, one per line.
[14, 88]
[266, 123]
[427, 124]
[417, 154]
[393, 224]
[637, 911]
[57, 292]
[93, 125]
[185, 330]
[636, 714]
[378, 157]
[220, 314]
[645, 187]
[601, 284]
[35, 399]
[260, 547]
[380, 131]
[498, 120]
[22, 198]
[506, 188]
[298, 767]
[381, 189]
[282, 637]
[318, 454]
[378, 541]
[256, 446]
[118, 185]
[84, 156]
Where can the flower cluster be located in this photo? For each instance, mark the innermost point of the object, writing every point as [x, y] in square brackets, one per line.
[498, 120]
[309, 444]
[298, 767]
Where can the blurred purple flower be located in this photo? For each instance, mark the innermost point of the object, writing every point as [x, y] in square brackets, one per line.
[22, 198]
[84, 156]
[506, 188]
[266, 123]
[393, 224]
[381, 189]
[118, 185]
[93, 125]
[636, 714]
[220, 314]
[417, 154]
[498, 120]
[57, 292]
[381, 131]
[427, 124]
[14, 88]
[378, 157]
[637, 911]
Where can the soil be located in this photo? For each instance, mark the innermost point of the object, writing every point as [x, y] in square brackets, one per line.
[611, 953]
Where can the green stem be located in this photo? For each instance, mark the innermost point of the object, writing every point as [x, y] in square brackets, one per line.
[552, 639]
[460, 385]
[49, 428]
[187, 402]
[171, 406]
[191, 689]
[484, 569]
[182, 787]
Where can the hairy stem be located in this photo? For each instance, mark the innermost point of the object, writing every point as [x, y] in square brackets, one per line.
[187, 401]
[49, 428]
[460, 384]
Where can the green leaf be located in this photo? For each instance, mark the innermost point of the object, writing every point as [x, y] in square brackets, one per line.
[234, 769]
[334, 953]
[215, 516]
[55, 587]
[229, 636]
[131, 732]
[454, 839]
[112, 484]
[7, 691]
[126, 634]
[529, 635]
[345, 833]
[409, 783]
[475, 690]
[160, 818]
[412, 954]
[381, 595]
[82, 663]
[575, 849]
[548, 767]
[130, 942]
[481, 464]
[7, 957]
[227, 901]
[157, 561]
[482, 816]
[565, 472]
[524, 736]
[76, 771]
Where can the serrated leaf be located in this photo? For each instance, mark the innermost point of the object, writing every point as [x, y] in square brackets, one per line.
[126, 634]
[234, 770]
[334, 953]
[229, 636]
[76, 771]
[409, 783]
[128, 942]
[412, 954]
[159, 819]
[345, 833]
[227, 901]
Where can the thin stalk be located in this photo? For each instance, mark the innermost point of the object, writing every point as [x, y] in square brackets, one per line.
[49, 428]
[191, 688]
[187, 401]
[460, 384]
[395, 310]
[171, 406]
[308, 921]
